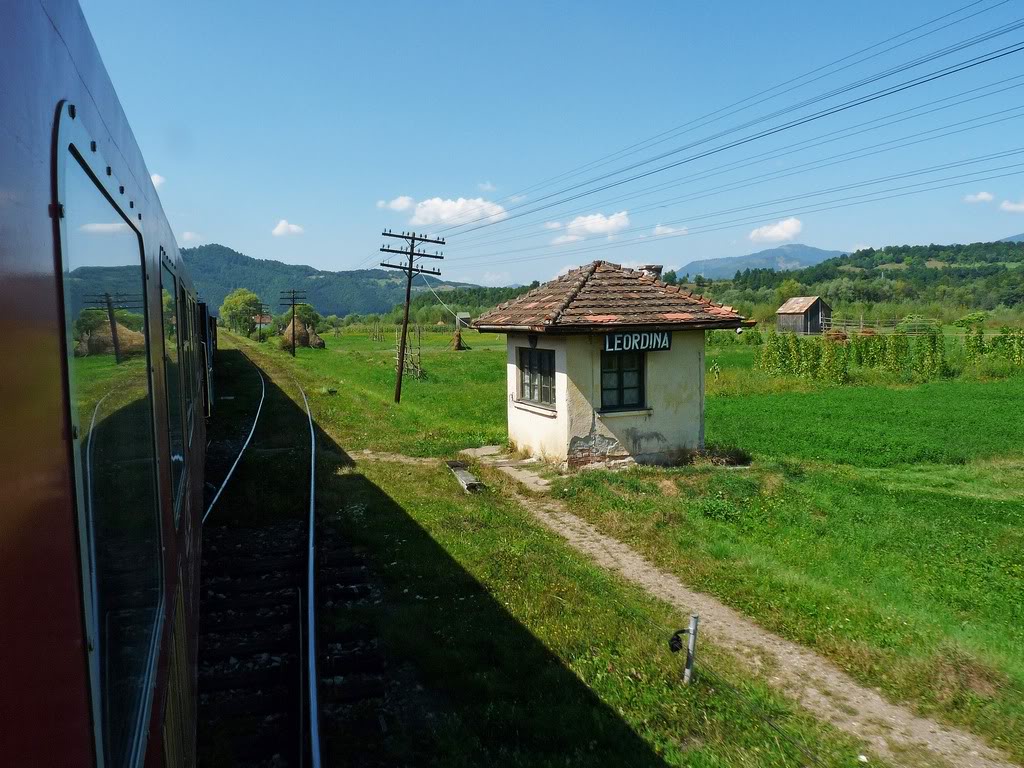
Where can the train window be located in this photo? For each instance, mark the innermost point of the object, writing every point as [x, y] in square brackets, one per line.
[115, 458]
[172, 375]
[186, 358]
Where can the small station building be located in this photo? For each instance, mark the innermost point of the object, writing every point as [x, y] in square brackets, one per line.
[606, 364]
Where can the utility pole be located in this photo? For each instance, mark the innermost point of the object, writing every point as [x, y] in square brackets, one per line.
[410, 269]
[107, 302]
[293, 297]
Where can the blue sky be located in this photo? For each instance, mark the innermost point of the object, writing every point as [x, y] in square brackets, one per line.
[343, 118]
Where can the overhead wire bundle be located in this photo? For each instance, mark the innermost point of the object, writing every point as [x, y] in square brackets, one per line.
[522, 217]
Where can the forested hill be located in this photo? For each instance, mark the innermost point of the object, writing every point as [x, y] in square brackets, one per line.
[983, 275]
[790, 256]
[217, 270]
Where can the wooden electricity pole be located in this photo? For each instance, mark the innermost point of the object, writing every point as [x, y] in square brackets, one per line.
[411, 270]
[293, 297]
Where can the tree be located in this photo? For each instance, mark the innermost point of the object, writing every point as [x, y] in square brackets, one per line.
[309, 316]
[670, 277]
[239, 310]
[788, 290]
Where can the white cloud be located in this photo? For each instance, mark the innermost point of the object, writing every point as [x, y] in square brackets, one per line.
[563, 239]
[190, 237]
[662, 229]
[598, 224]
[517, 198]
[496, 278]
[566, 269]
[552, 225]
[486, 186]
[786, 229]
[980, 197]
[447, 211]
[284, 228]
[1006, 205]
[158, 180]
[400, 203]
[104, 228]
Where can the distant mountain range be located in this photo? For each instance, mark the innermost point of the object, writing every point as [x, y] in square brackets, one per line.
[791, 256]
[1013, 239]
[217, 270]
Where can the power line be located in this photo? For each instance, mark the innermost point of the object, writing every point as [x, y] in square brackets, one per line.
[658, 138]
[859, 101]
[827, 112]
[760, 219]
[884, 121]
[815, 193]
[424, 279]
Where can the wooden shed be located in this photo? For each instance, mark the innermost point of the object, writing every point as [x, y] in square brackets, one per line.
[803, 315]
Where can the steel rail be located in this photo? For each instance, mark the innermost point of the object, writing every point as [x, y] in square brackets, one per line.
[255, 421]
[311, 657]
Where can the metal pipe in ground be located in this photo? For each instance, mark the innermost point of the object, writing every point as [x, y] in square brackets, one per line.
[691, 649]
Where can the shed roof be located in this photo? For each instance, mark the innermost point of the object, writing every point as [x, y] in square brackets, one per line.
[607, 296]
[797, 305]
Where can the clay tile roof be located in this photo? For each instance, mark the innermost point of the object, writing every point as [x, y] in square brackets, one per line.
[604, 296]
[797, 305]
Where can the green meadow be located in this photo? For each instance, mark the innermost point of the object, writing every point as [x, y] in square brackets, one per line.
[881, 525]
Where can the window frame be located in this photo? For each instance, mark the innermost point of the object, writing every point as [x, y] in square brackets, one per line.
[74, 146]
[166, 265]
[619, 372]
[530, 363]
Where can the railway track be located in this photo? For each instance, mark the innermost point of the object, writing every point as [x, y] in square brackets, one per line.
[256, 704]
[270, 569]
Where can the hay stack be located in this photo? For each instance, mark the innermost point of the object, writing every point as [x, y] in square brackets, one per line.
[301, 335]
[304, 336]
[99, 342]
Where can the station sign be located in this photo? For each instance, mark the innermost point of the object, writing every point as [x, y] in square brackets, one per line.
[642, 341]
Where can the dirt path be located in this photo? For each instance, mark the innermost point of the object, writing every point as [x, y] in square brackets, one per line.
[893, 731]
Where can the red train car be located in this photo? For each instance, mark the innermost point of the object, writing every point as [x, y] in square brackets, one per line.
[105, 356]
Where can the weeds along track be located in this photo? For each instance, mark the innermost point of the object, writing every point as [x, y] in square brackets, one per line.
[269, 570]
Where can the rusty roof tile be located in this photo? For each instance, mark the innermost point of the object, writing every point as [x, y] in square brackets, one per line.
[602, 294]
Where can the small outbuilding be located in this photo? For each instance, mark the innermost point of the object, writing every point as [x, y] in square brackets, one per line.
[803, 315]
[606, 364]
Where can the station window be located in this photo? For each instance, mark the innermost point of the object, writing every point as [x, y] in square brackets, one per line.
[114, 453]
[172, 376]
[537, 376]
[622, 380]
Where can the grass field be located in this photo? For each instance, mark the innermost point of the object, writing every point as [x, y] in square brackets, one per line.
[882, 526]
[525, 652]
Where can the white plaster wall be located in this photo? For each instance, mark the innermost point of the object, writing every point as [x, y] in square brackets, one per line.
[538, 431]
[672, 421]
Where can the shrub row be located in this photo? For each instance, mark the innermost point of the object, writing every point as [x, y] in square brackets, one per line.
[920, 357]
[811, 357]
